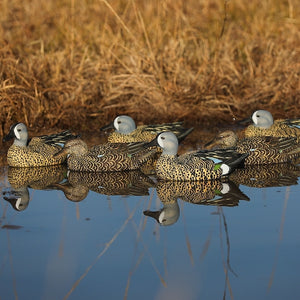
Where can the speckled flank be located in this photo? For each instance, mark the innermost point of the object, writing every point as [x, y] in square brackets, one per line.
[34, 155]
[170, 167]
[278, 129]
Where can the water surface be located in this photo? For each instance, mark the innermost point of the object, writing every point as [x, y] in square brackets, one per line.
[67, 235]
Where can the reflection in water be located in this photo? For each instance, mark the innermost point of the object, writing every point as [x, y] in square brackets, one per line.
[108, 183]
[213, 192]
[18, 198]
[193, 259]
[267, 175]
[39, 178]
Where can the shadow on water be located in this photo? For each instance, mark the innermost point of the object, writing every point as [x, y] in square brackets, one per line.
[207, 240]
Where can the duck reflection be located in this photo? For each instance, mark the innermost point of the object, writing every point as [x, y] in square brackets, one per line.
[18, 198]
[284, 174]
[108, 183]
[213, 192]
[39, 178]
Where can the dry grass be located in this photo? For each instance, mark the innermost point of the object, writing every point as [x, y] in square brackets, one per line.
[77, 64]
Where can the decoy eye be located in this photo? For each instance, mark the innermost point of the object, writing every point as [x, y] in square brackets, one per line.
[19, 129]
[162, 137]
[258, 116]
[119, 122]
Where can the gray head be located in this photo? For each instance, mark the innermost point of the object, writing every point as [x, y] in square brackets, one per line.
[19, 198]
[19, 132]
[124, 124]
[168, 215]
[76, 147]
[225, 139]
[262, 119]
[168, 142]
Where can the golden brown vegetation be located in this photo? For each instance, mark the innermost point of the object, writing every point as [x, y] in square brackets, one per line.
[78, 63]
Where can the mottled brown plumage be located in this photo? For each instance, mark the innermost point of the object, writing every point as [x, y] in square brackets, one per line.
[108, 157]
[261, 149]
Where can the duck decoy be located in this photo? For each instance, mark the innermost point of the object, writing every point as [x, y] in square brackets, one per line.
[107, 157]
[192, 166]
[126, 131]
[37, 151]
[261, 149]
[264, 125]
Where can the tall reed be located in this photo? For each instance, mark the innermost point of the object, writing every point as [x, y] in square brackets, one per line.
[78, 63]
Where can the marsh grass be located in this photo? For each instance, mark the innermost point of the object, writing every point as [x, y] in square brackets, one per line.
[77, 64]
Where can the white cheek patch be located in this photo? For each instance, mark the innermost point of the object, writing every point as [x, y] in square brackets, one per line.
[19, 204]
[225, 169]
[160, 142]
[116, 125]
[254, 118]
[17, 134]
[161, 218]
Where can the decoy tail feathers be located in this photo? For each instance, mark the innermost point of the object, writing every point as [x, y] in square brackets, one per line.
[135, 147]
[292, 122]
[181, 136]
[58, 138]
[230, 159]
[164, 127]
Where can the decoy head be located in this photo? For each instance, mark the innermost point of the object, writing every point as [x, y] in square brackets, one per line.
[262, 119]
[19, 198]
[167, 141]
[76, 146]
[168, 215]
[19, 132]
[225, 139]
[122, 124]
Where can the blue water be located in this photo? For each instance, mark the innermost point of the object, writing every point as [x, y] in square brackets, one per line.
[104, 247]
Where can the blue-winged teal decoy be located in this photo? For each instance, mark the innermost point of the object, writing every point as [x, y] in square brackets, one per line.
[107, 157]
[127, 132]
[261, 149]
[37, 151]
[264, 125]
[193, 166]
